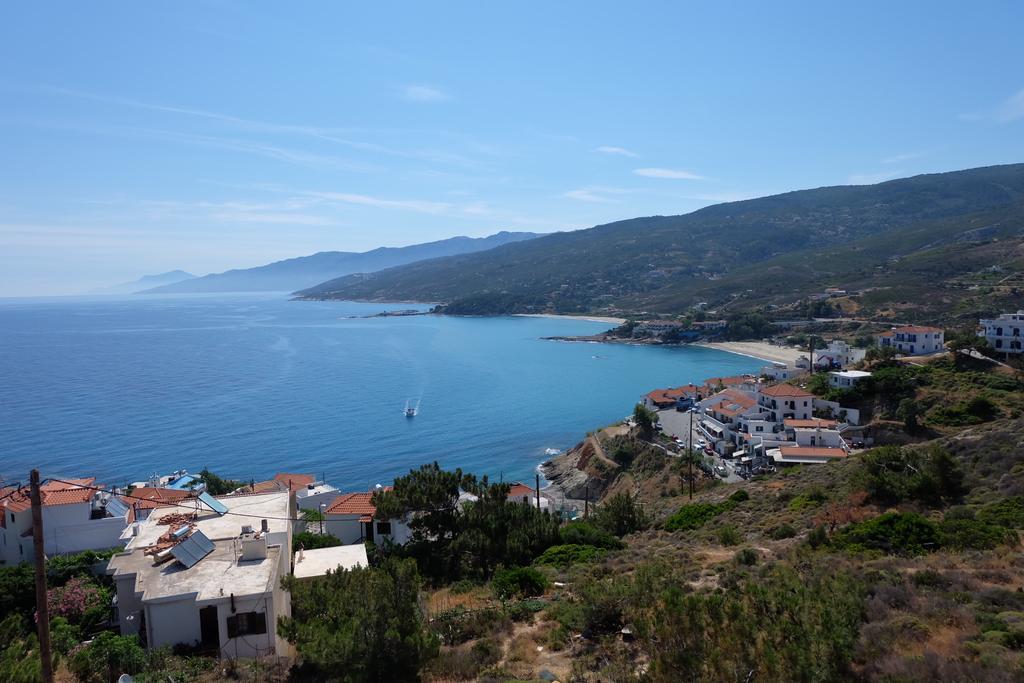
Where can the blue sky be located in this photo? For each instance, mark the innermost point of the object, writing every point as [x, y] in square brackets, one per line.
[138, 138]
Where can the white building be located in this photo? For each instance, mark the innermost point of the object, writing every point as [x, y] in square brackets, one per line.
[527, 495]
[780, 372]
[76, 517]
[838, 354]
[1005, 333]
[914, 340]
[783, 401]
[311, 563]
[656, 328]
[846, 379]
[207, 578]
[352, 518]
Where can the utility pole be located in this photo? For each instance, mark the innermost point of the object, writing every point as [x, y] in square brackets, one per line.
[42, 610]
[689, 448]
[810, 353]
[538, 492]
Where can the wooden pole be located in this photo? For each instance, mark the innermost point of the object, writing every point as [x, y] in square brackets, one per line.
[689, 448]
[42, 610]
[538, 492]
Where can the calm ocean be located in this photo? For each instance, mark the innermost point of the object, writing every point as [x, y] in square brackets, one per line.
[250, 385]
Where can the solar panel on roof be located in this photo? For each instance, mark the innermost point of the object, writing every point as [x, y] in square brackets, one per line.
[212, 503]
[192, 549]
[116, 508]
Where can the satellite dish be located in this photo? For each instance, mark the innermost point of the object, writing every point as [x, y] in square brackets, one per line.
[125, 678]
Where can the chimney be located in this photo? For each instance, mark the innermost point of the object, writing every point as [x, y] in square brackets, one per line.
[254, 547]
[264, 526]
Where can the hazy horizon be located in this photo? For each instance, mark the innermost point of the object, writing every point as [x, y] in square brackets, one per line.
[143, 139]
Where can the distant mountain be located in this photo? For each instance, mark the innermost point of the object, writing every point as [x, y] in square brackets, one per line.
[916, 244]
[305, 271]
[148, 282]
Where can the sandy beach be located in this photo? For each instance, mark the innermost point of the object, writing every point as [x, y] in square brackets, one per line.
[588, 318]
[766, 352]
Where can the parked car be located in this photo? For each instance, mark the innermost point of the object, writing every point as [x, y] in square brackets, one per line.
[855, 443]
[722, 471]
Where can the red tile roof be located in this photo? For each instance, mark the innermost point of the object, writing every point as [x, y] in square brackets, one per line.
[735, 380]
[518, 490]
[673, 395]
[353, 504]
[52, 493]
[297, 481]
[786, 390]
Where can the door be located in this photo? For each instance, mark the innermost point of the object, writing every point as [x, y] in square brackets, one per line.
[209, 628]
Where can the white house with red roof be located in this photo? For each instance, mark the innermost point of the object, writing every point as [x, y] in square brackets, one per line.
[352, 518]
[667, 399]
[914, 340]
[522, 493]
[78, 515]
[783, 401]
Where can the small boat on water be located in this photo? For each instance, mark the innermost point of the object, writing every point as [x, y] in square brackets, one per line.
[410, 409]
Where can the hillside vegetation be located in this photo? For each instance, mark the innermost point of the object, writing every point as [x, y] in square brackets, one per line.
[961, 233]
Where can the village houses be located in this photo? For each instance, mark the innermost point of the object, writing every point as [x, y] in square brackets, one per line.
[78, 515]
[913, 340]
[1004, 333]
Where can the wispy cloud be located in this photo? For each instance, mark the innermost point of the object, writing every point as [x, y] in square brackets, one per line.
[1011, 109]
[621, 151]
[872, 178]
[339, 136]
[595, 194]
[417, 205]
[423, 93]
[670, 173]
[900, 158]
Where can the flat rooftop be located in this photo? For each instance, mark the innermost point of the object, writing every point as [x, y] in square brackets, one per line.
[242, 509]
[217, 575]
[318, 562]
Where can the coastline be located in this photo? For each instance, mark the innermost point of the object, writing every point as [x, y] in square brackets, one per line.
[587, 318]
[769, 353]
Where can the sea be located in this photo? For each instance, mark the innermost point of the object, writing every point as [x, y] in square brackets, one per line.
[250, 385]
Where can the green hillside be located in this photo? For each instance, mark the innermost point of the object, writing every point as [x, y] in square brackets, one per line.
[908, 234]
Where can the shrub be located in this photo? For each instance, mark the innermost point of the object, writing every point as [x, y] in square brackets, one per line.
[1008, 512]
[518, 582]
[728, 535]
[459, 625]
[974, 534]
[895, 533]
[783, 531]
[311, 541]
[108, 652]
[569, 554]
[585, 533]
[892, 474]
[620, 515]
[696, 515]
[740, 496]
[747, 556]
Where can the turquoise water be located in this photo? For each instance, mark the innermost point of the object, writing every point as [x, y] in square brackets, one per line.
[253, 385]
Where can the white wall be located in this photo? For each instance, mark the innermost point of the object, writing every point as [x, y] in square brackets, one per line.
[173, 622]
[347, 528]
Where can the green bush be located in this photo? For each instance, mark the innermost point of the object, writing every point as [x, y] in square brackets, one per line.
[569, 554]
[108, 652]
[891, 474]
[974, 534]
[620, 515]
[518, 582]
[894, 533]
[459, 625]
[585, 533]
[782, 532]
[311, 541]
[970, 412]
[740, 496]
[747, 557]
[729, 535]
[696, 515]
[1008, 512]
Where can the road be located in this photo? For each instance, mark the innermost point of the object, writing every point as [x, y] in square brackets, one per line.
[675, 424]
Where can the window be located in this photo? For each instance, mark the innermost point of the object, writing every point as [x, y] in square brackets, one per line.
[247, 623]
[384, 528]
[999, 343]
[12, 518]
